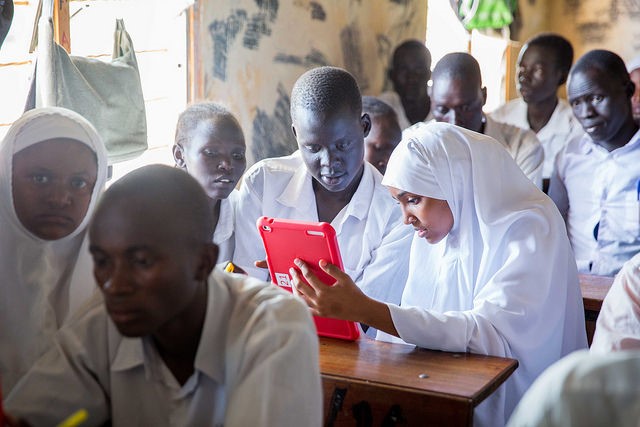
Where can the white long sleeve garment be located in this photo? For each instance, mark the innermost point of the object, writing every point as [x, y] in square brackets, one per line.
[618, 325]
[592, 186]
[559, 130]
[584, 390]
[256, 364]
[522, 144]
[41, 281]
[373, 241]
[503, 282]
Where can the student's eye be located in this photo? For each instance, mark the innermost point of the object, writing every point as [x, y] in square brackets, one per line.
[413, 200]
[442, 110]
[464, 108]
[39, 178]
[597, 98]
[99, 261]
[209, 153]
[343, 145]
[144, 261]
[79, 183]
[575, 103]
[238, 156]
[313, 148]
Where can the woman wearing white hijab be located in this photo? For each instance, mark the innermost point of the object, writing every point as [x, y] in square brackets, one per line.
[53, 166]
[491, 269]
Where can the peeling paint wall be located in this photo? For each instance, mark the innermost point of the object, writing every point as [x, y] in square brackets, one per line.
[252, 52]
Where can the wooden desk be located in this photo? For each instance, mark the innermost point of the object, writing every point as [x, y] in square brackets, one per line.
[594, 289]
[373, 383]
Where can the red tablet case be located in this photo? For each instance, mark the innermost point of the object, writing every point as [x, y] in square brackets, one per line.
[284, 240]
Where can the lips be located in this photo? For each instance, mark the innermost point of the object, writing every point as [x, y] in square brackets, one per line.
[224, 181]
[422, 232]
[55, 220]
[121, 316]
[332, 180]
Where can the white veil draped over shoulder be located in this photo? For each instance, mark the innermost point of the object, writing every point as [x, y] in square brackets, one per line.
[41, 281]
[503, 282]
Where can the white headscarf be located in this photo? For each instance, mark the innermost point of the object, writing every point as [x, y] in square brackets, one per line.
[503, 282]
[41, 281]
[634, 64]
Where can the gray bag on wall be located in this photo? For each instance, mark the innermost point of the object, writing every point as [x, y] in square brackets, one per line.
[108, 94]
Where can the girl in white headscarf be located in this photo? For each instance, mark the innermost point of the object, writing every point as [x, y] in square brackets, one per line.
[53, 166]
[491, 268]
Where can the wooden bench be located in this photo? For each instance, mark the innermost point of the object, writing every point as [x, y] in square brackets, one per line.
[377, 383]
[594, 289]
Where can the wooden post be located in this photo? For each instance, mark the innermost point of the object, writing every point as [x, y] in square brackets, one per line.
[61, 32]
[195, 79]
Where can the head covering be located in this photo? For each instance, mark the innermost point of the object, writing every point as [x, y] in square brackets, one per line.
[39, 280]
[634, 64]
[504, 280]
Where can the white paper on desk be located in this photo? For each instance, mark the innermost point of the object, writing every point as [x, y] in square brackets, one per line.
[383, 336]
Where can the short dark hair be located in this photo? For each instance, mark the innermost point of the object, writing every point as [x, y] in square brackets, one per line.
[605, 62]
[325, 90]
[197, 113]
[376, 107]
[557, 44]
[411, 44]
[458, 65]
[171, 191]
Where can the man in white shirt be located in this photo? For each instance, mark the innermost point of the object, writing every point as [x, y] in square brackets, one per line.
[167, 342]
[618, 326]
[596, 179]
[328, 180]
[543, 66]
[409, 72]
[458, 97]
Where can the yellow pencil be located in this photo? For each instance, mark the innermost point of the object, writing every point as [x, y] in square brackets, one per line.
[230, 268]
[75, 419]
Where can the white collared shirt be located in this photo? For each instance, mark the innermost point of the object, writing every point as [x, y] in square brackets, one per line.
[594, 186]
[522, 144]
[560, 129]
[223, 236]
[618, 326]
[373, 241]
[257, 364]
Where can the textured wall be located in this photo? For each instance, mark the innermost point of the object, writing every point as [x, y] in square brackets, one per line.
[252, 51]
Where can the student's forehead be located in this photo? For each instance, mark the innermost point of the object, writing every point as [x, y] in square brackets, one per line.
[591, 79]
[447, 86]
[57, 152]
[538, 54]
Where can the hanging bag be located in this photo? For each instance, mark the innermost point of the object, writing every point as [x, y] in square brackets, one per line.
[108, 94]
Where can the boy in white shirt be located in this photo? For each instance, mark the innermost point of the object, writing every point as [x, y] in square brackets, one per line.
[167, 342]
[595, 181]
[543, 66]
[328, 180]
[457, 97]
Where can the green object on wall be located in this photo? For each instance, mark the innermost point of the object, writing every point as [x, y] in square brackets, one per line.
[483, 14]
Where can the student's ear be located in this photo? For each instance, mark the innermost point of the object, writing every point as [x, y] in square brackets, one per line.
[629, 88]
[208, 259]
[178, 156]
[365, 121]
[484, 95]
[564, 74]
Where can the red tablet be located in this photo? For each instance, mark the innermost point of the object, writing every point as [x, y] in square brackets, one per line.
[284, 240]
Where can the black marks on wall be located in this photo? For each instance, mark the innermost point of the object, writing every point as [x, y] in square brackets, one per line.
[352, 55]
[259, 24]
[400, 2]
[317, 11]
[272, 136]
[223, 33]
[593, 32]
[313, 59]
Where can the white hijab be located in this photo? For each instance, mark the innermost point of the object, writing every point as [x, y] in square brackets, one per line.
[41, 282]
[503, 282]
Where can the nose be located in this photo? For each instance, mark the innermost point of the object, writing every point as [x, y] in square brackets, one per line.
[225, 164]
[407, 218]
[584, 109]
[522, 74]
[59, 196]
[118, 282]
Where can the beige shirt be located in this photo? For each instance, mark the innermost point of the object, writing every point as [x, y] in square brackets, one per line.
[257, 364]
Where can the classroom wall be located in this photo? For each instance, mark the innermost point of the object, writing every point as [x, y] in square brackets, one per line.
[250, 52]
